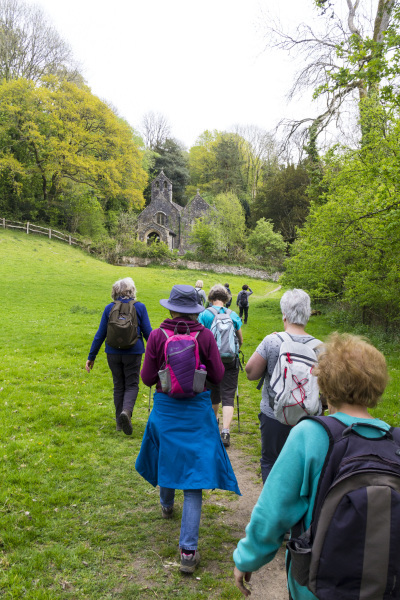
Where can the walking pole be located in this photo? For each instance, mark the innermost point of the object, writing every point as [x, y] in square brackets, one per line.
[237, 395]
[149, 400]
[237, 388]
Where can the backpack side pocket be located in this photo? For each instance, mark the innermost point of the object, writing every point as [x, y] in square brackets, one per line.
[165, 380]
[300, 558]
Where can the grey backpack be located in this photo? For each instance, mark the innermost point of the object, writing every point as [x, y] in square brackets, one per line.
[224, 333]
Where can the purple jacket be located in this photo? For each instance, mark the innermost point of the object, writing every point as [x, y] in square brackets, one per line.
[154, 356]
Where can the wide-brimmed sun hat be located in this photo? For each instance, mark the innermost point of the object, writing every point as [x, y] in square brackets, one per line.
[183, 299]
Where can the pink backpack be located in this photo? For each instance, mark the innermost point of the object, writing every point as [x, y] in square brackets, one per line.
[182, 375]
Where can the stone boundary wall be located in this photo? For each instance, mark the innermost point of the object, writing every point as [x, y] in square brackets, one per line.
[136, 261]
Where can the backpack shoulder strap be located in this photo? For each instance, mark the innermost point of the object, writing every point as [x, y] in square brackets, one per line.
[334, 429]
[213, 310]
[132, 308]
[167, 335]
[313, 342]
[283, 336]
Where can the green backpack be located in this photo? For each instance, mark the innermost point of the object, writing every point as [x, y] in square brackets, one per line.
[122, 328]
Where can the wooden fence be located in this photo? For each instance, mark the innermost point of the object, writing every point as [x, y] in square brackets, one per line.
[31, 228]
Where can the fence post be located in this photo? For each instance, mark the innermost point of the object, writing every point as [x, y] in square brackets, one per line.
[27, 228]
[4, 222]
[69, 240]
[49, 234]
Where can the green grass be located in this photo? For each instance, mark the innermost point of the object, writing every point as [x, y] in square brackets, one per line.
[76, 521]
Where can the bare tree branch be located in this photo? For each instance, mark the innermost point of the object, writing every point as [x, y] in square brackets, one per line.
[30, 47]
[155, 129]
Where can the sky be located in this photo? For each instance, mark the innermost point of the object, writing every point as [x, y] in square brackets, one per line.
[201, 65]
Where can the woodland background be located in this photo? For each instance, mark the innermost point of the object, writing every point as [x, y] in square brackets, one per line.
[326, 212]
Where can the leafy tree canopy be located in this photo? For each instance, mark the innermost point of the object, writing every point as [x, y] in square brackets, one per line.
[283, 199]
[264, 243]
[55, 135]
[349, 247]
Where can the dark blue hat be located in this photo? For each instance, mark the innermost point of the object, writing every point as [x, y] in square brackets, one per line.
[183, 299]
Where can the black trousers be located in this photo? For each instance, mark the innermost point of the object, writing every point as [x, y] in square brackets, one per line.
[125, 369]
[245, 310]
[273, 437]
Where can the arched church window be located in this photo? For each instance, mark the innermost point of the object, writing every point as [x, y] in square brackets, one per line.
[161, 218]
[165, 185]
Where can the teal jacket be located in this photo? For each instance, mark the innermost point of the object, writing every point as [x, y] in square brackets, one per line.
[288, 496]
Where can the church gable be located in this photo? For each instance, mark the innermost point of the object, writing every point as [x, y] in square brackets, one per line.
[167, 221]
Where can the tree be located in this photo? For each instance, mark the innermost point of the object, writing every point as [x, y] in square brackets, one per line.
[56, 135]
[155, 129]
[258, 148]
[171, 157]
[229, 164]
[349, 56]
[30, 47]
[202, 163]
[205, 235]
[283, 199]
[265, 244]
[349, 246]
[222, 234]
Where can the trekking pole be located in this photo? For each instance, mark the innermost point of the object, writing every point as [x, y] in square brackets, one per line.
[237, 403]
[149, 400]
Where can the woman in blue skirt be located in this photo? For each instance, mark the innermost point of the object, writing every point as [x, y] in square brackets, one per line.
[181, 447]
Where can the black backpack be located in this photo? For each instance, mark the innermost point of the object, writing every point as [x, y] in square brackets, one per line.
[122, 328]
[351, 549]
[243, 299]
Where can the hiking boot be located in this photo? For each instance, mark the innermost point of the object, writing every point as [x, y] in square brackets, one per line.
[118, 427]
[189, 562]
[125, 422]
[167, 512]
[226, 439]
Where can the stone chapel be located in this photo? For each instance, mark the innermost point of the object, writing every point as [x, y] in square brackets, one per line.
[166, 221]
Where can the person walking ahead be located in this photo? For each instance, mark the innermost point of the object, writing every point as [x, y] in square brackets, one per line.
[124, 364]
[224, 391]
[242, 301]
[296, 309]
[181, 447]
[352, 376]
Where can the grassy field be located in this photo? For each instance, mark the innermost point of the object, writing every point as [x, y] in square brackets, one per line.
[76, 521]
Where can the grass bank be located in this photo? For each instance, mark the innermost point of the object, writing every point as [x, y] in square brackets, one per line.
[76, 521]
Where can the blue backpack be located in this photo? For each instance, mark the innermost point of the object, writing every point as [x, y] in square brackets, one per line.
[351, 549]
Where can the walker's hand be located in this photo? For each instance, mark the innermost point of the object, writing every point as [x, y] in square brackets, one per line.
[240, 578]
[89, 365]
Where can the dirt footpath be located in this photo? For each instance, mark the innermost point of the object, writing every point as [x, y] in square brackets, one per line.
[270, 581]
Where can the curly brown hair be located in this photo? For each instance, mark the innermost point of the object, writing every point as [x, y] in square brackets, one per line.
[350, 370]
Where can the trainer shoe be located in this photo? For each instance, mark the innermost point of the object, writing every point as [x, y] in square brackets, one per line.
[189, 562]
[166, 512]
[125, 422]
[226, 439]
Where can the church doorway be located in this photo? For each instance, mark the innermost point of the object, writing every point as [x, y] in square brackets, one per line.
[153, 237]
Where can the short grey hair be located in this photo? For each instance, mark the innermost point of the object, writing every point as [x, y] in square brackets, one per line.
[199, 283]
[218, 292]
[296, 306]
[124, 288]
